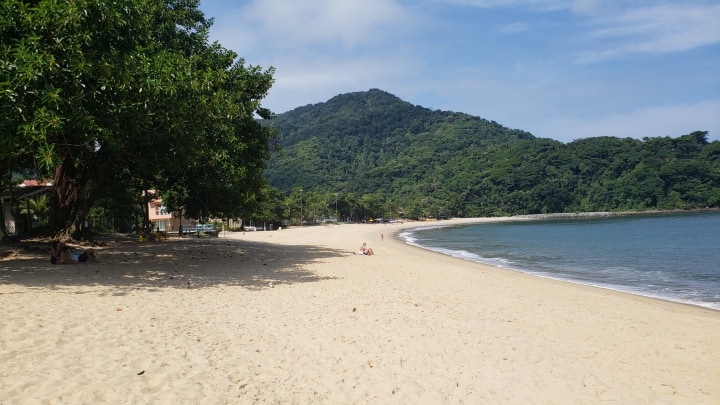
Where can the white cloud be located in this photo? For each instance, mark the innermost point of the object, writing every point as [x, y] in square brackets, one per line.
[654, 121]
[314, 80]
[655, 29]
[512, 28]
[322, 48]
[618, 28]
[531, 4]
[321, 22]
[568, 110]
[585, 6]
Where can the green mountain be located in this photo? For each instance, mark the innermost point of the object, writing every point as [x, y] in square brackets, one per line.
[394, 158]
[360, 142]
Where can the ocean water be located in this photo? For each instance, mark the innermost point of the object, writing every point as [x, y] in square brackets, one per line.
[674, 257]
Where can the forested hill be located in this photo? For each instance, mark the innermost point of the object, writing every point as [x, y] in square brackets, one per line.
[357, 141]
[393, 158]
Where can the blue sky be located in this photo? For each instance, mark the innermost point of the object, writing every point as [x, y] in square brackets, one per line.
[559, 69]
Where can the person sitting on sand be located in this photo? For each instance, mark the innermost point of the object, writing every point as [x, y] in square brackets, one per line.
[84, 257]
[60, 254]
[365, 250]
[55, 252]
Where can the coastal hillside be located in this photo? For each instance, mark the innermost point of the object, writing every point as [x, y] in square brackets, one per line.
[360, 142]
[401, 159]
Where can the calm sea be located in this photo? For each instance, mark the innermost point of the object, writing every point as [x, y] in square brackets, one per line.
[675, 257]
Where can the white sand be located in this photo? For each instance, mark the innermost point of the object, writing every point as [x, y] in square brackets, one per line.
[196, 321]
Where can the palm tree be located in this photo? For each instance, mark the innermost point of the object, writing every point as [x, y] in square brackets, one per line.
[37, 208]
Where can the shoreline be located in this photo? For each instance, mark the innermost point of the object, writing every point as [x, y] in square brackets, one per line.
[618, 289]
[293, 316]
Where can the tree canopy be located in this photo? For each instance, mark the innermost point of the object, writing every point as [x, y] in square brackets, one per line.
[115, 98]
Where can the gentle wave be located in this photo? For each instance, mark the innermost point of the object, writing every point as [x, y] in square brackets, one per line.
[677, 286]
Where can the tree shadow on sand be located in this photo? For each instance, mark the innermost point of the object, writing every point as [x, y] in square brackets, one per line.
[126, 264]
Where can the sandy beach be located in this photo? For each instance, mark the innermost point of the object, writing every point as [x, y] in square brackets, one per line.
[294, 317]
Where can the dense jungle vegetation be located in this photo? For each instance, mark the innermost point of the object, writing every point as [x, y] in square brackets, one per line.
[370, 154]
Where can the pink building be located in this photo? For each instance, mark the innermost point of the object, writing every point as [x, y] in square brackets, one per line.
[160, 217]
[164, 220]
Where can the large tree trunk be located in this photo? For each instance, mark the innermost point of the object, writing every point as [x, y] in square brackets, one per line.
[75, 188]
[64, 199]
